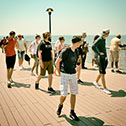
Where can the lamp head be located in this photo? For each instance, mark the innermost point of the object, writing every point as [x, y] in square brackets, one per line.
[49, 10]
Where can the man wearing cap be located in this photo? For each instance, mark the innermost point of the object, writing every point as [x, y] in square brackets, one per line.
[66, 64]
[10, 56]
[99, 47]
[114, 52]
[21, 48]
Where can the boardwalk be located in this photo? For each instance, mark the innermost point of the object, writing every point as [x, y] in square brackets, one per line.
[22, 105]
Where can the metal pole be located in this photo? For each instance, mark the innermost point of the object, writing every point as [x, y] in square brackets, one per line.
[50, 22]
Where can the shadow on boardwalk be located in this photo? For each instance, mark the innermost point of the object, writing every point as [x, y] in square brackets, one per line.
[87, 84]
[19, 85]
[85, 121]
[119, 93]
[57, 92]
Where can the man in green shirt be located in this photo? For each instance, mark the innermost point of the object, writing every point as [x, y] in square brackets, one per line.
[99, 47]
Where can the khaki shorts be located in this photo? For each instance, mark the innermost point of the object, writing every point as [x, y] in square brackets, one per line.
[47, 66]
[114, 56]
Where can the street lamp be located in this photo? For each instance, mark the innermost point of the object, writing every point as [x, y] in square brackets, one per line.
[49, 10]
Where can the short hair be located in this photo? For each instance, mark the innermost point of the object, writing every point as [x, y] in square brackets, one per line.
[118, 36]
[12, 33]
[46, 34]
[61, 38]
[96, 37]
[37, 36]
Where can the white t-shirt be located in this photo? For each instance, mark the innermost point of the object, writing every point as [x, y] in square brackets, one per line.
[115, 44]
[34, 47]
[21, 44]
[56, 43]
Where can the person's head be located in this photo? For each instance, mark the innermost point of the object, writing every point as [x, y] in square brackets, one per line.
[61, 39]
[105, 33]
[19, 36]
[96, 37]
[118, 36]
[12, 34]
[84, 35]
[37, 37]
[76, 41]
[46, 35]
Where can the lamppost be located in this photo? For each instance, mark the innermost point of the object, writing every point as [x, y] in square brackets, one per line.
[49, 10]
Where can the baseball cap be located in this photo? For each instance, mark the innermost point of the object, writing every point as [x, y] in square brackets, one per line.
[76, 39]
[105, 31]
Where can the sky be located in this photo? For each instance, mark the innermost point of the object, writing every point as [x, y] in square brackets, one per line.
[29, 17]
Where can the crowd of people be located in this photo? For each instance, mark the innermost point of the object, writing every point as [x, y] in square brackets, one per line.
[68, 61]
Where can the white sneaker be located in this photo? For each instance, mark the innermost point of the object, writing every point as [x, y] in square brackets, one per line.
[96, 84]
[95, 65]
[107, 91]
[20, 68]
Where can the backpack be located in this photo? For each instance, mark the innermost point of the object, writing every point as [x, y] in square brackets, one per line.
[67, 54]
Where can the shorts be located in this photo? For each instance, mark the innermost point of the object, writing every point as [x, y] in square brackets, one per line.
[114, 56]
[10, 61]
[70, 79]
[48, 65]
[21, 54]
[34, 56]
[102, 64]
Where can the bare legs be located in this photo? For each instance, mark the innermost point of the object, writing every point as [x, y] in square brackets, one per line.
[35, 66]
[72, 101]
[9, 73]
[102, 76]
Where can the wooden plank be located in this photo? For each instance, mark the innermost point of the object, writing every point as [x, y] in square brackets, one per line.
[15, 97]
[9, 116]
[3, 121]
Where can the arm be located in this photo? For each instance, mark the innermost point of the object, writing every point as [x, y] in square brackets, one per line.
[94, 46]
[25, 47]
[58, 64]
[52, 56]
[17, 46]
[40, 58]
[30, 48]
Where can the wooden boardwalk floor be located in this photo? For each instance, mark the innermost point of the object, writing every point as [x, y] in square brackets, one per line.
[22, 105]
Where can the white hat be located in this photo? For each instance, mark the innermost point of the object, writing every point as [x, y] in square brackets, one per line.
[105, 31]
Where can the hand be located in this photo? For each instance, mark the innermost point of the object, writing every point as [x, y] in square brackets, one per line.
[101, 53]
[41, 64]
[19, 51]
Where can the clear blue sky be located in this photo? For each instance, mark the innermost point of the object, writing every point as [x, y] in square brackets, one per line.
[69, 16]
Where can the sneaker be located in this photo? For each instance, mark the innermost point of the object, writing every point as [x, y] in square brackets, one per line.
[84, 67]
[74, 116]
[20, 68]
[107, 91]
[36, 85]
[112, 70]
[9, 84]
[96, 84]
[79, 81]
[59, 109]
[95, 65]
[51, 90]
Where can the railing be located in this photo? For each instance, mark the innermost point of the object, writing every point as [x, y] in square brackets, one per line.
[122, 57]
